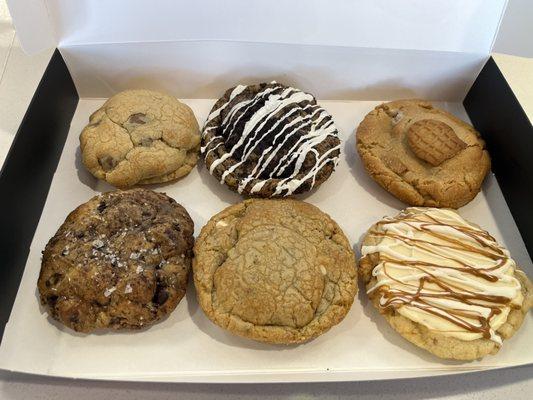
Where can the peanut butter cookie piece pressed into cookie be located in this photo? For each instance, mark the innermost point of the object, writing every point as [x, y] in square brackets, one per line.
[140, 137]
[119, 261]
[275, 271]
[443, 283]
[422, 155]
[269, 140]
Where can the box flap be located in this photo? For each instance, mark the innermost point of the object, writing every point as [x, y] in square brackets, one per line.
[440, 25]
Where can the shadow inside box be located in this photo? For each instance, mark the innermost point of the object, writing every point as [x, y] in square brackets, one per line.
[364, 179]
[87, 179]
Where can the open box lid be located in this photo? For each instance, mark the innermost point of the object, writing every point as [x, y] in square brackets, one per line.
[444, 25]
[338, 49]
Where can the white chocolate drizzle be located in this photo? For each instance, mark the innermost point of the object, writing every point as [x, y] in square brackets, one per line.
[287, 121]
[438, 270]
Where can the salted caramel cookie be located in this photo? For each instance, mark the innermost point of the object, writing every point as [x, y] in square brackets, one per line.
[443, 283]
[140, 137]
[269, 140]
[119, 261]
[421, 154]
[276, 271]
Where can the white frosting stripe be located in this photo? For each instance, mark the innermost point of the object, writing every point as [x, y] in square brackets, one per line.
[288, 137]
[437, 269]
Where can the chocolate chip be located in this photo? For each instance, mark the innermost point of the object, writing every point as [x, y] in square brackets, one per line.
[74, 318]
[146, 142]
[138, 118]
[51, 300]
[54, 279]
[107, 162]
[101, 207]
[160, 296]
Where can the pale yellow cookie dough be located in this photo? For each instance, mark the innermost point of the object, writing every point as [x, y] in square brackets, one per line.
[140, 137]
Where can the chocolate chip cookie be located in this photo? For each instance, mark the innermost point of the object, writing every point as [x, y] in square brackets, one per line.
[422, 155]
[276, 271]
[443, 283]
[140, 137]
[119, 261]
[269, 140]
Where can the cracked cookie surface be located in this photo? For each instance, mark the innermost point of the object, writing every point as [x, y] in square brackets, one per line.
[276, 271]
[140, 137]
[119, 261]
[422, 155]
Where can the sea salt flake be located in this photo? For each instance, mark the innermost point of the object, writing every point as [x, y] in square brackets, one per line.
[139, 269]
[134, 256]
[110, 290]
[98, 244]
[128, 289]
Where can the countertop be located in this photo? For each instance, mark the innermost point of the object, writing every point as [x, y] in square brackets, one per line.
[19, 76]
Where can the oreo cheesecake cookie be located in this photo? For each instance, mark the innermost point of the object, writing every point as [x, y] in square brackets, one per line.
[269, 140]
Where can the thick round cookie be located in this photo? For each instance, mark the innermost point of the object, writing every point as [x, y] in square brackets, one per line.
[269, 140]
[443, 283]
[422, 155]
[119, 261]
[140, 137]
[276, 271]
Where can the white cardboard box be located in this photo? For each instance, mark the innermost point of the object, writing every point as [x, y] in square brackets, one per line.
[351, 55]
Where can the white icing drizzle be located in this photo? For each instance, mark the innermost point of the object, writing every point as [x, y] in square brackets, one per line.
[437, 269]
[316, 125]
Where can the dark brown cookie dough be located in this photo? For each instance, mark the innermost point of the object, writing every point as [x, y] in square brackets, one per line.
[269, 140]
[119, 261]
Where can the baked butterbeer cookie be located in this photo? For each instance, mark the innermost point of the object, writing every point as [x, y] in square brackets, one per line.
[269, 140]
[119, 261]
[421, 154]
[443, 283]
[140, 137]
[276, 271]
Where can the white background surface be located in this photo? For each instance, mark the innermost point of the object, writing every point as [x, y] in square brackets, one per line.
[363, 346]
[19, 77]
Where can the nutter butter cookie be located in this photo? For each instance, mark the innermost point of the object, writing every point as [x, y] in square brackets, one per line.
[421, 154]
[119, 261]
[269, 140]
[275, 271]
[443, 283]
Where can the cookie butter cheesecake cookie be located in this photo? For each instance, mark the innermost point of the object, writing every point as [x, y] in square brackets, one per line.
[269, 140]
[119, 261]
[422, 155]
[443, 283]
[276, 271]
[140, 137]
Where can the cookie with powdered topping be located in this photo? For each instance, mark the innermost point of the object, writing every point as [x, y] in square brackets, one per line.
[269, 140]
[443, 283]
[423, 155]
[119, 261]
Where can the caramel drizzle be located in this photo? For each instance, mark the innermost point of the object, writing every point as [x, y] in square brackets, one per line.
[395, 298]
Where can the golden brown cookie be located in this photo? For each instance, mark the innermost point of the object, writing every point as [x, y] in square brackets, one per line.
[276, 271]
[140, 137]
[421, 154]
[119, 261]
[443, 283]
